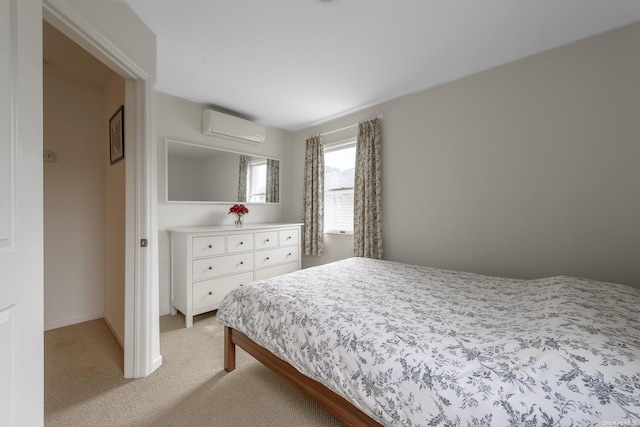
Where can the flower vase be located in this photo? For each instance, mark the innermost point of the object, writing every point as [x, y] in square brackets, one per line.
[238, 222]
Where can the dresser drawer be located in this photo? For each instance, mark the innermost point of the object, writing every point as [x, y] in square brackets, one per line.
[207, 246]
[276, 256]
[220, 266]
[278, 270]
[211, 292]
[288, 237]
[266, 239]
[239, 243]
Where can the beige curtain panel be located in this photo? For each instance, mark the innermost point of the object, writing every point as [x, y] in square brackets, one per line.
[367, 200]
[242, 178]
[313, 198]
[273, 181]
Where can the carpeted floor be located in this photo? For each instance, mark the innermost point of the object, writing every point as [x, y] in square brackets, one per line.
[84, 384]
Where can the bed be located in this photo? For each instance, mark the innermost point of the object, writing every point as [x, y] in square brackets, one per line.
[384, 343]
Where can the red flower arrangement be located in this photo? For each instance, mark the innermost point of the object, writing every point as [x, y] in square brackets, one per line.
[239, 210]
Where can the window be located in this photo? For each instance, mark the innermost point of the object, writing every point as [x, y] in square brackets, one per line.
[257, 181]
[339, 173]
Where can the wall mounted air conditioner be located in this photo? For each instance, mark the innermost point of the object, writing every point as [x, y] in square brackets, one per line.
[215, 123]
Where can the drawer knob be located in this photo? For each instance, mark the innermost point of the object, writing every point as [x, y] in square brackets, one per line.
[210, 268]
[241, 262]
[267, 258]
[210, 246]
[267, 240]
[210, 293]
[242, 243]
[288, 238]
[289, 254]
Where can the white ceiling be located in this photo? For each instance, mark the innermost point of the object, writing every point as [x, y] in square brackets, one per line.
[294, 63]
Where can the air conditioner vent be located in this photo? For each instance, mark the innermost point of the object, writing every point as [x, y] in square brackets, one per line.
[224, 125]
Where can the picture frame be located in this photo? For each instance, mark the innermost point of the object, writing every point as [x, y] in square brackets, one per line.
[116, 135]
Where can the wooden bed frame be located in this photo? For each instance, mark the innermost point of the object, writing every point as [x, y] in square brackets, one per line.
[334, 403]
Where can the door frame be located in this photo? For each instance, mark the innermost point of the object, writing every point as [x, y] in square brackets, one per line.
[141, 305]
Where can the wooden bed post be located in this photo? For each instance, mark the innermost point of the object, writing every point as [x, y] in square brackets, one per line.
[229, 350]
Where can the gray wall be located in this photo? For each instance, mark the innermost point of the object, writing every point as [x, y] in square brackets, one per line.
[526, 170]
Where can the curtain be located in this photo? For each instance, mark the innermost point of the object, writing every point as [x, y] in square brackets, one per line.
[273, 181]
[242, 178]
[367, 202]
[313, 198]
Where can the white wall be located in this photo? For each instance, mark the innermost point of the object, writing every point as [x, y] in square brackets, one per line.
[74, 204]
[180, 120]
[115, 215]
[526, 170]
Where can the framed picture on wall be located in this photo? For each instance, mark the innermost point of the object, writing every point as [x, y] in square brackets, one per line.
[116, 135]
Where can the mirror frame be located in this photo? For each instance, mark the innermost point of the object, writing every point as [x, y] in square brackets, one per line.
[209, 147]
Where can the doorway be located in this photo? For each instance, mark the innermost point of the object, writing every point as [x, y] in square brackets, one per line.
[141, 311]
[84, 195]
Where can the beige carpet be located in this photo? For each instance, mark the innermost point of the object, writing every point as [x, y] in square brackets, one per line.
[84, 384]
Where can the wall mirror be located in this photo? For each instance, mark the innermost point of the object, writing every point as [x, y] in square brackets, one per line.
[199, 173]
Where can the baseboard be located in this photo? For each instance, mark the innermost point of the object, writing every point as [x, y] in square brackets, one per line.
[166, 311]
[114, 331]
[72, 320]
[156, 363]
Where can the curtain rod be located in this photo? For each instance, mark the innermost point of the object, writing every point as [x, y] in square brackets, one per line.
[346, 127]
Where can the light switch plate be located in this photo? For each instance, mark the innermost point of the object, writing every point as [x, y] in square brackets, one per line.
[49, 156]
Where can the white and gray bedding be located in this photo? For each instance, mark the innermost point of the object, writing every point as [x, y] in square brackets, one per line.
[417, 346]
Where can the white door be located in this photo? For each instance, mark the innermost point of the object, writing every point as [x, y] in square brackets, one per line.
[21, 240]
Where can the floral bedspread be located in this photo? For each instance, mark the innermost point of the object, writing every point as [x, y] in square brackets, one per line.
[417, 346]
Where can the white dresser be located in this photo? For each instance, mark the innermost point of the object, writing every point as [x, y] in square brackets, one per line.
[208, 262]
